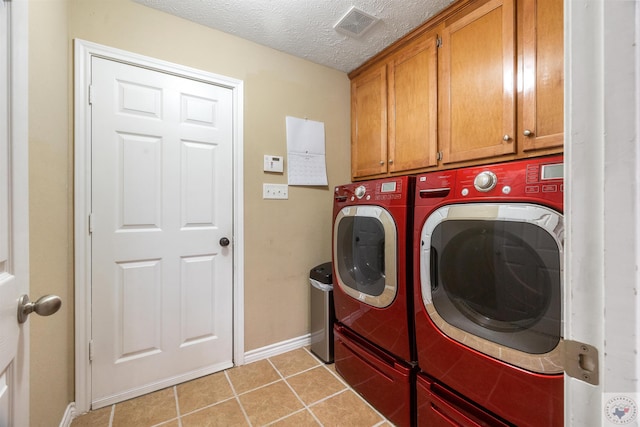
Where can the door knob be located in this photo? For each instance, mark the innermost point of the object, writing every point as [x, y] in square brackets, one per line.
[224, 242]
[45, 306]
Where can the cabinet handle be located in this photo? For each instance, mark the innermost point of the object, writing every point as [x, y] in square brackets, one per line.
[527, 132]
[381, 162]
[506, 138]
[390, 161]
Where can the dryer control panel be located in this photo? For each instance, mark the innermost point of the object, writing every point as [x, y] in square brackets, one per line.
[388, 191]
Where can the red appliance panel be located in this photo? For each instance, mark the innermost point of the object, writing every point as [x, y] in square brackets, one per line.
[379, 192]
[386, 327]
[521, 397]
[439, 407]
[533, 181]
[379, 378]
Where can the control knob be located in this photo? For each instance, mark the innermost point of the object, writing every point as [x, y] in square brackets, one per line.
[485, 181]
[360, 191]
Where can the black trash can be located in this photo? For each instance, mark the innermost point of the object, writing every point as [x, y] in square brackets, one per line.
[322, 311]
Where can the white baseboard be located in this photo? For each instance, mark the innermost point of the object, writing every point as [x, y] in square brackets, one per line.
[277, 348]
[69, 415]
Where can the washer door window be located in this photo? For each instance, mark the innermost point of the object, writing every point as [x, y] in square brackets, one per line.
[364, 247]
[494, 271]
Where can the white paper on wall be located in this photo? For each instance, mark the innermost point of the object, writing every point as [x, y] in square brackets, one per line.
[306, 152]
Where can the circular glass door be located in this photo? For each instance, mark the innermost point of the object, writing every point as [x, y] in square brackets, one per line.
[364, 248]
[492, 273]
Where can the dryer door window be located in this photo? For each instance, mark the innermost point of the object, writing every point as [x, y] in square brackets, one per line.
[365, 254]
[494, 271]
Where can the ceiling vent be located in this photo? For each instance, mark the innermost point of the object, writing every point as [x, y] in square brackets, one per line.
[355, 23]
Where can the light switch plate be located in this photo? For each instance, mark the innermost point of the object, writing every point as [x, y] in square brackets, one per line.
[273, 163]
[275, 191]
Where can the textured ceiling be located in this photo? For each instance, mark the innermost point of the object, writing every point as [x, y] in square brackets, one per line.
[304, 28]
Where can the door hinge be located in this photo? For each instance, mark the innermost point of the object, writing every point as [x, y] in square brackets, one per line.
[90, 94]
[438, 41]
[91, 351]
[90, 223]
[581, 361]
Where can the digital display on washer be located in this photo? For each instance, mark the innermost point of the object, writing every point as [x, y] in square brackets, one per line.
[555, 171]
[388, 187]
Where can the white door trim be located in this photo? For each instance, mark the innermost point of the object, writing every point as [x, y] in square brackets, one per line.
[602, 158]
[83, 51]
[17, 32]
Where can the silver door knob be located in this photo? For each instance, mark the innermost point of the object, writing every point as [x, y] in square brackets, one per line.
[527, 132]
[45, 306]
[506, 138]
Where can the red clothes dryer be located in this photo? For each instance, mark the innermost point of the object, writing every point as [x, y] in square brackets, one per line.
[372, 291]
[371, 252]
[488, 291]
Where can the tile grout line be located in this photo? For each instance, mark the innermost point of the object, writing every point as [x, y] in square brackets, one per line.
[325, 366]
[175, 394]
[211, 405]
[112, 414]
[335, 374]
[177, 417]
[290, 415]
[237, 397]
[306, 407]
[348, 387]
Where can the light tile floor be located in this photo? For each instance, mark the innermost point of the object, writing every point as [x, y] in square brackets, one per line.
[291, 389]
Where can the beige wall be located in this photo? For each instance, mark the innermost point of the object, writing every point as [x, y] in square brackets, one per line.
[283, 239]
[51, 214]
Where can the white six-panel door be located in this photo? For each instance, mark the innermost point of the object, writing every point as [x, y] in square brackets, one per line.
[14, 235]
[161, 202]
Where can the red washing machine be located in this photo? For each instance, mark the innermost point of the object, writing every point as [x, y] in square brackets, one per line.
[488, 294]
[372, 293]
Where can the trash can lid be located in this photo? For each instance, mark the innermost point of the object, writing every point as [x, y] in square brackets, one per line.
[323, 273]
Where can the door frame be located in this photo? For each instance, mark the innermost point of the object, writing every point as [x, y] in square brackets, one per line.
[18, 121]
[83, 52]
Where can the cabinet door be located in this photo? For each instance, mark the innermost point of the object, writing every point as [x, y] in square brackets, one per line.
[543, 74]
[413, 106]
[477, 102]
[369, 123]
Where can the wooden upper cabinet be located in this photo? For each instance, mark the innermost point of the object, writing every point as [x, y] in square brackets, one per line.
[394, 112]
[490, 90]
[369, 123]
[413, 100]
[542, 74]
[477, 84]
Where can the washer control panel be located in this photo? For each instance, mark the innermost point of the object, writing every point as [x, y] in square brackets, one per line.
[539, 177]
[538, 180]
